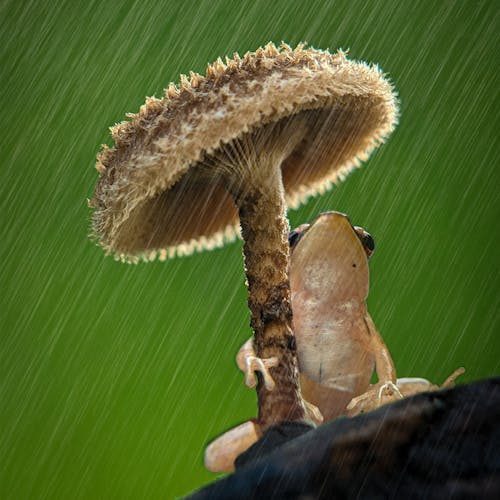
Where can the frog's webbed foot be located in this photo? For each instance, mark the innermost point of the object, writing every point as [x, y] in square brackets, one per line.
[378, 395]
[254, 364]
[313, 413]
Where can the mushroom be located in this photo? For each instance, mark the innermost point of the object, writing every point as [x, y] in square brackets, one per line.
[239, 144]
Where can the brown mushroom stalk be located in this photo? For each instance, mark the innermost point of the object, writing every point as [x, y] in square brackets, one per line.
[234, 148]
[252, 169]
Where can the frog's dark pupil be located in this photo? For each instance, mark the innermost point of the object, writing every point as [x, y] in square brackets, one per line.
[294, 237]
[369, 242]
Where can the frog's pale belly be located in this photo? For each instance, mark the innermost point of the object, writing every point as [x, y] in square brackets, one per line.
[335, 361]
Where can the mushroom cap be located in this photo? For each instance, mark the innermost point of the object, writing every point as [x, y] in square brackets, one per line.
[150, 200]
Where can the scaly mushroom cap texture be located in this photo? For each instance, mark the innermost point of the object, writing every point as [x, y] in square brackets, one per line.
[151, 202]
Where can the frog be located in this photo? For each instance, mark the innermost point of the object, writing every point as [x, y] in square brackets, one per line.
[338, 344]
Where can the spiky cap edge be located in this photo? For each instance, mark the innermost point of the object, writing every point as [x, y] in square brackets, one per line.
[148, 113]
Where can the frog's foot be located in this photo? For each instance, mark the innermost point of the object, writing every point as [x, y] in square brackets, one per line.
[389, 389]
[450, 381]
[221, 453]
[262, 365]
[313, 413]
[377, 395]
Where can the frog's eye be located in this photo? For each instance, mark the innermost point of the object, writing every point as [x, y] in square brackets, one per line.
[369, 244]
[366, 240]
[295, 235]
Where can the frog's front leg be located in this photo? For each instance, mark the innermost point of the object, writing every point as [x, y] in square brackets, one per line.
[249, 363]
[386, 389]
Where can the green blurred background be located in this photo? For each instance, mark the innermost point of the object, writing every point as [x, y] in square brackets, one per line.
[114, 377]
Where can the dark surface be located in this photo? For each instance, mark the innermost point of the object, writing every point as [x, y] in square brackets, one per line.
[443, 444]
[272, 438]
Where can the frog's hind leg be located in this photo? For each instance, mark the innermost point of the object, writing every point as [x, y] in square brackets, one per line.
[221, 453]
[249, 363]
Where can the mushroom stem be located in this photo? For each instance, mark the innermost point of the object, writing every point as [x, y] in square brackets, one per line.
[264, 226]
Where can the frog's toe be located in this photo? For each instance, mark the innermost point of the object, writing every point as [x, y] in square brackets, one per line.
[361, 403]
[377, 395]
[390, 390]
[313, 412]
[450, 381]
[261, 365]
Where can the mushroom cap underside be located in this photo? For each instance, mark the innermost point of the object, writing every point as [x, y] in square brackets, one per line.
[151, 200]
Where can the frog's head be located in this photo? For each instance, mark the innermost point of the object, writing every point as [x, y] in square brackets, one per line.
[330, 256]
